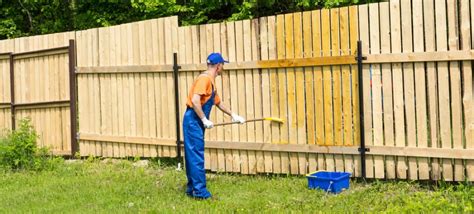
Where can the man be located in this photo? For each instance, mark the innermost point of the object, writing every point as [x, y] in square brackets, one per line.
[202, 96]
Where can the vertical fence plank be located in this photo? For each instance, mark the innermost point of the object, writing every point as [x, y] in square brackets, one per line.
[212, 133]
[443, 82]
[171, 47]
[226, 97]
[409, 84]
[336, 87]
[274, 95]
[249, 100]
[127, 91]
[327, 88]
[145, 115]
[83, 90]
[318, 87]
[132, 148]
[420, 89]
[429, 36]
[467, 80]
[120, 60]
[309, 88]
[151, 44]
[282, 91]
[364, 37]
[267, 105]
[114, 89]
[387, 98]
[346, 89]
[220, 115]
[257, 84]
[354, 36]
[301, 113]
[376, 88]
[291, 78]
[236, 165]
[240, 49]
[398, 102]
[455, 80]
[47, 72]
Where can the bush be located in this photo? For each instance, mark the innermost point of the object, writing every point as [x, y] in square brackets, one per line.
[19, 150]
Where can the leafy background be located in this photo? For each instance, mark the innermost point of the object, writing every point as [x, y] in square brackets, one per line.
[34, 17]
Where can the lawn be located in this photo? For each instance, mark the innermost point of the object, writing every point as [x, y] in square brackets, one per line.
[93, 186]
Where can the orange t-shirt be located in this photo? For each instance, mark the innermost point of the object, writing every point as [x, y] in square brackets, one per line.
[203, 86]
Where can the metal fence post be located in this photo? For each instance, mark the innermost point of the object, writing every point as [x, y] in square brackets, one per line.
[362, 148]
[176, 68]
[72, 96]
[12, 91]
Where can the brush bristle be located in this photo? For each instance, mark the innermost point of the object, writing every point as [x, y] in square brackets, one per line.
[274, 119]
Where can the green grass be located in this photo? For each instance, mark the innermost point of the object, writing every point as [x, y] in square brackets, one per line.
[94, 186]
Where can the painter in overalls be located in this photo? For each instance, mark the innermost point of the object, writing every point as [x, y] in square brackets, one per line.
[202, 96]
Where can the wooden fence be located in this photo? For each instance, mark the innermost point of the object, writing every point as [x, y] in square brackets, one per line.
[40, 68]
[417, 90]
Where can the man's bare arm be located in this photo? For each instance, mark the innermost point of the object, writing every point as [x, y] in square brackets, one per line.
[196, 100]
[224, 108]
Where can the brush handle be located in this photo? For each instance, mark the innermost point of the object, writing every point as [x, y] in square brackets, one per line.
[236, 122]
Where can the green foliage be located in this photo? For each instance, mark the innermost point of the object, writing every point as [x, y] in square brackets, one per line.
[26, 18]
[19, 150]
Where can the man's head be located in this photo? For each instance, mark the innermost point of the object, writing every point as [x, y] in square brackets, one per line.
[215, 61]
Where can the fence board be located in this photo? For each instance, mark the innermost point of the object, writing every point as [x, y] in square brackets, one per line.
[266, 92]
[376, 86]
[398, 102]
[282, 91]
[387, 97]
[291, 90]
[309, 88]
[429, 35]
[455, 83]
[236, 164]
[257, 84]
[327, 86]
[364, 37]
[274, 95]
[220, 86]
[354, 36]
[443, 96]
[409, 84]
[300, 92]
[249, 100]
[420, 89]
[336, 87]
[318, 86]
[346, 88]
[466, 38]
[240, 49]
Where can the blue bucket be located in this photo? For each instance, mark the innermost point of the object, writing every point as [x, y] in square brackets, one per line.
[333, 182]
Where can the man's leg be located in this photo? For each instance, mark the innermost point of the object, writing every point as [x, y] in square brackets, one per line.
[195, 160]
[187, 151]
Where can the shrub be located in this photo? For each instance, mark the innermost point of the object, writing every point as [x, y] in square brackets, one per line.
[19, 149]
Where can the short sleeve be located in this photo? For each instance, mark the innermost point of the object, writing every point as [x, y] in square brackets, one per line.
[202, 86]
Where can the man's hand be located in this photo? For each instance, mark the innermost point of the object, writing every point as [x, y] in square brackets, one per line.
[237, 118]
[207, 123]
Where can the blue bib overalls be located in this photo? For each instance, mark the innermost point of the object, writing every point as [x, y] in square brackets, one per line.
[193, 131]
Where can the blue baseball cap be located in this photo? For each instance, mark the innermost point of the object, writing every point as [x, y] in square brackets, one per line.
[215, 58]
